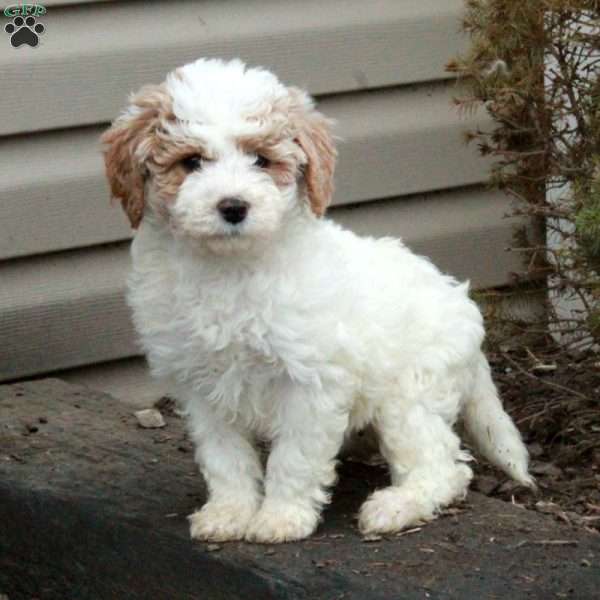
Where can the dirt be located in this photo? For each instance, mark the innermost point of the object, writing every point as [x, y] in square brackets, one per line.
[556, 404]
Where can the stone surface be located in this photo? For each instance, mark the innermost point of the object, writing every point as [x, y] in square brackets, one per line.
[94, 507]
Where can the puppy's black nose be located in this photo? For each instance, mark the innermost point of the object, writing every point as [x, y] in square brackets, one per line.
[233, 210]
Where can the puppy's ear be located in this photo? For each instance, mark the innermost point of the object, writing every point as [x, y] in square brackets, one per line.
[128, 145]
[313, 135]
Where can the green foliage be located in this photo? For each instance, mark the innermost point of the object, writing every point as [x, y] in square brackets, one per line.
[593, 323]
[533, 65]
[587, 221]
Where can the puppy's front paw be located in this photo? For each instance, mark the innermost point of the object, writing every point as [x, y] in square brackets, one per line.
[221, 521]
[390, 510]
[278, 522]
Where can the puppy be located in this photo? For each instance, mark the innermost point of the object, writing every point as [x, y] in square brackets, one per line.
[273, 323]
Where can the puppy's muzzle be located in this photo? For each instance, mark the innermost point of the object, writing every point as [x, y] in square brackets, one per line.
[233, 210]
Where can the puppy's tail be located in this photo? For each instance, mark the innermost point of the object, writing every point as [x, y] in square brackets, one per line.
[492, 429]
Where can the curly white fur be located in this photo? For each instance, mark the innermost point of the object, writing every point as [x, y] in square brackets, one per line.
[290, 329]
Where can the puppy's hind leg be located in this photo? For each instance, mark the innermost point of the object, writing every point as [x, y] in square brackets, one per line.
[426, 465]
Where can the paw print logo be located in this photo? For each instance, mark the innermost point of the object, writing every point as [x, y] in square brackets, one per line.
[24, 31]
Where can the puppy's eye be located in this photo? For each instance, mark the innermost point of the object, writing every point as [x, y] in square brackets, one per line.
[261, 162]
[191, 163]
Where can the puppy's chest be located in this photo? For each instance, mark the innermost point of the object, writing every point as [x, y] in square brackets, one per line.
[215, 328]
[226, 329]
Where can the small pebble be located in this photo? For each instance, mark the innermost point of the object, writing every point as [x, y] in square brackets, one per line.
[150, 418]
[213, 548]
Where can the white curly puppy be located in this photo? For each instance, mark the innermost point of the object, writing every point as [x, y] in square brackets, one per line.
[276, 324]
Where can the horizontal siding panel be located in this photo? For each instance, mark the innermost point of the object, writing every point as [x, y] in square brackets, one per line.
[60, 200]
[464, 232]
[395, 142]
[63, 310]
[92, 55]
[403, 141]
[67, 310]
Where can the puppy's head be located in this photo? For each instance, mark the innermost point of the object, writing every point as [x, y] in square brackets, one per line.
[222, 153]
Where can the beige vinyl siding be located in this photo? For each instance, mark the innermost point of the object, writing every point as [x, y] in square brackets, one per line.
[94, 54]
[377, 68]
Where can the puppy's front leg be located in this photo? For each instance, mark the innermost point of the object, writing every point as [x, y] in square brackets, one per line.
[233, 474]
[310, 430]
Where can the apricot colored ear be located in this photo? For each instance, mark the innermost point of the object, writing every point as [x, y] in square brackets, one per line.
[316, 140]
[127, 146]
